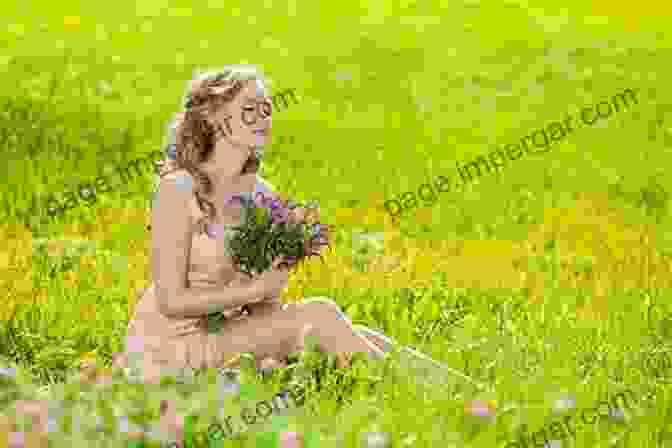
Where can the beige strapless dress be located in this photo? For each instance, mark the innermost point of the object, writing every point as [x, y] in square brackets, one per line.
[162, 344]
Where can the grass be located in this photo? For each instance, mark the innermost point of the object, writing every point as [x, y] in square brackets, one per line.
[560, 257]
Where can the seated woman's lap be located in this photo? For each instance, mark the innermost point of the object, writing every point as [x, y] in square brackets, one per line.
[272, 330]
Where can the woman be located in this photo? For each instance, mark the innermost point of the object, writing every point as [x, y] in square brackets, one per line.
[215, 159]
[215, 155]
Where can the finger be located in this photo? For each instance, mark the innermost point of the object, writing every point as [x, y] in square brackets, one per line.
[298, 213]
[280, 263]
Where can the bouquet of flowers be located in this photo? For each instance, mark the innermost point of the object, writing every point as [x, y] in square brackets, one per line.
[274, 228]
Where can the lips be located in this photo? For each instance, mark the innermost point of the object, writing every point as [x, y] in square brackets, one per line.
[261, 133]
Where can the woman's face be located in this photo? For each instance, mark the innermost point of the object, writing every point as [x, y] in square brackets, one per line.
[246, 121]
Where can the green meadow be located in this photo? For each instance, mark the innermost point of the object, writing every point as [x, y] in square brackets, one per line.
[564, 259]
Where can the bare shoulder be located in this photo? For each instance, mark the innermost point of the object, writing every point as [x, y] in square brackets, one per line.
[174, 199]
[175, 191]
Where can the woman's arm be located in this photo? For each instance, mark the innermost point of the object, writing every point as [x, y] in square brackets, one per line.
[171, 238]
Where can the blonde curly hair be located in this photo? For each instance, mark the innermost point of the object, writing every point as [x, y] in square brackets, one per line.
[192, 138]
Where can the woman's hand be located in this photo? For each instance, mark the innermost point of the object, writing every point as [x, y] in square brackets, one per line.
[265, 306]
[304, 214]
[271, 283]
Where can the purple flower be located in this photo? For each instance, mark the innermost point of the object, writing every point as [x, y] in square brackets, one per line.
[11, 372]
[238, 199]
[263, 201]
[52, 425]
[227, 387]
[280, 215]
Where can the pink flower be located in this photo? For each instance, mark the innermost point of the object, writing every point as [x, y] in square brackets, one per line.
[480, 408]
[17, 440]
[291, 440]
